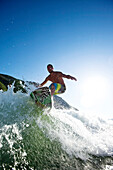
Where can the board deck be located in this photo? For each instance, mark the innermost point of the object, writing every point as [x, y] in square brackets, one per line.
[42, 97]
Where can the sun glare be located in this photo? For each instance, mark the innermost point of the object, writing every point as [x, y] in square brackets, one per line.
[94, 91]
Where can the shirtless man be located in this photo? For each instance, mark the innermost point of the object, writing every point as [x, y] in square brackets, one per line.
[56, 77]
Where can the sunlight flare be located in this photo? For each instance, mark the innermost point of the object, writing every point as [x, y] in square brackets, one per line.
[94, 91]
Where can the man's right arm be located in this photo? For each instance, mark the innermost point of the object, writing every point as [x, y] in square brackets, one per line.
[44, 82]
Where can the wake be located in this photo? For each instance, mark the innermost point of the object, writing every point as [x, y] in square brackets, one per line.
[79, 134]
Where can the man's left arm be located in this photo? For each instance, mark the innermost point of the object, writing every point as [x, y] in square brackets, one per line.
[69, 77]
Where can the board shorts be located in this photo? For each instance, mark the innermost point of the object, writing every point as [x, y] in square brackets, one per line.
[59, 88]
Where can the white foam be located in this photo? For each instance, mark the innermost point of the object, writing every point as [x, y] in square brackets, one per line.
[108, 167]
[79, 133]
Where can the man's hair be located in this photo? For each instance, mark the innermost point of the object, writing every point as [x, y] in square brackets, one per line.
[50, 65]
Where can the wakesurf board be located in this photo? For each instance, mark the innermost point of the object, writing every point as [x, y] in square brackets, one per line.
[42, 97]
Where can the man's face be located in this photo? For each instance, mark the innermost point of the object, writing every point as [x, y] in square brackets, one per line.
[50, 69]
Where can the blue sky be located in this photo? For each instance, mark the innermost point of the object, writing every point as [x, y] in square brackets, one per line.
[76, 36]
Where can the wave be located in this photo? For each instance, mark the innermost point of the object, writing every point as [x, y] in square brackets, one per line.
[60, 138]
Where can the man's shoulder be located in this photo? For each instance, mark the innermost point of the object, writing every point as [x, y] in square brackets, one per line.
[58, 72]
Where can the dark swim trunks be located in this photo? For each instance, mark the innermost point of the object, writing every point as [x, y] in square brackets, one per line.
[59, 88]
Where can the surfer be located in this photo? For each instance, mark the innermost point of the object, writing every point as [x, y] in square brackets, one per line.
[56, 77]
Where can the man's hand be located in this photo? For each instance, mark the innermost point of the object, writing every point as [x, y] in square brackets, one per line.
[73, 78]
[39, 85]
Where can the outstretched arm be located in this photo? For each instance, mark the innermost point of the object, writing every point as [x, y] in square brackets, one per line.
[44, 82]
[69, 77]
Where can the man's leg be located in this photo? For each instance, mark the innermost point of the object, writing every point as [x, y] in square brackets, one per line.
[52, 89]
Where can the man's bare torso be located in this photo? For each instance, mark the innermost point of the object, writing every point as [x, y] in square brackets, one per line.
[56, 77]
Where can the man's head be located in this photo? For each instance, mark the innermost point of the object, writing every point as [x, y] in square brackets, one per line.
[50, 68]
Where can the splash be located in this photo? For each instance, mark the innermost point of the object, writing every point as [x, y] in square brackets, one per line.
[31, 137]
[80, 134]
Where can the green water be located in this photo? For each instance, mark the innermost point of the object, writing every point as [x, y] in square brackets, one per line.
[31, 138]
